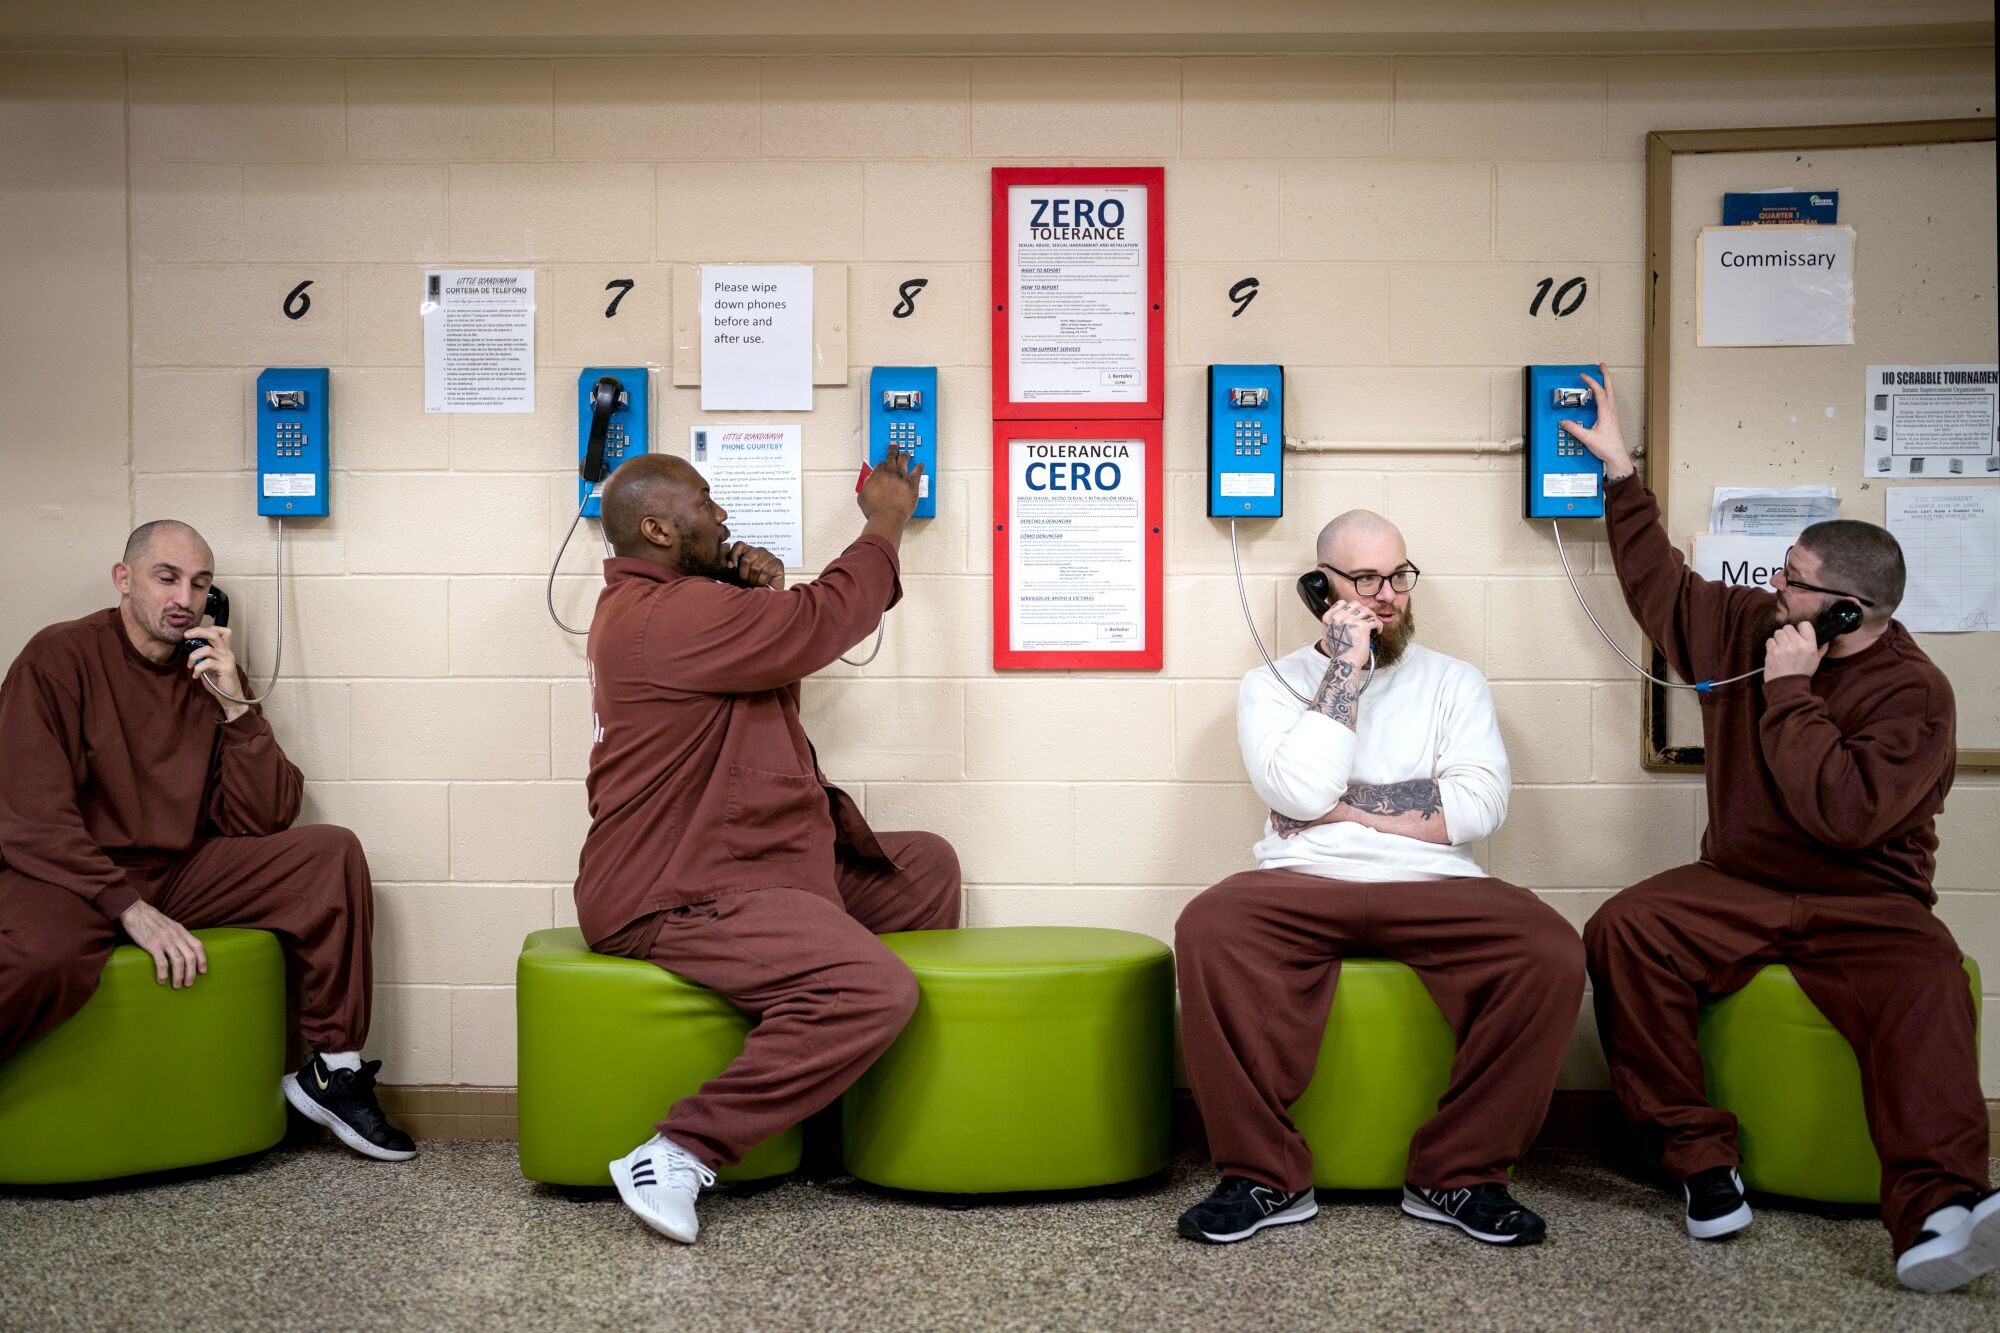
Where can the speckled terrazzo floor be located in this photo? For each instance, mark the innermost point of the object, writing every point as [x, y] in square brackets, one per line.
[313, 1237]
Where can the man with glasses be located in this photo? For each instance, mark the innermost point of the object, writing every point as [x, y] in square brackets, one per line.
[1378, 779]
[1826, 772]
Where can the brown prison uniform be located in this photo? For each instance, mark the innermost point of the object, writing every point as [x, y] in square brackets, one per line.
[718, 850]
[122, 783]
[1259, 957]
[1823, 793]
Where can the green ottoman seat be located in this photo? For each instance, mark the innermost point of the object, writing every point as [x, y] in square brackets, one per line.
[85, 1101]
[607, 1046]
[1039, 1058]
[1383, 1063]
[1771, 1058]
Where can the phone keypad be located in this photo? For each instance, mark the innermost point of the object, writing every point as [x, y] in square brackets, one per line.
[1568, 446]
[291, 439]
[1251, 439]
[904, 437]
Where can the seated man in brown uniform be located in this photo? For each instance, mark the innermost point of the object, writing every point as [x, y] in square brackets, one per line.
[1826, 772]
[138, 802]
[717, 849]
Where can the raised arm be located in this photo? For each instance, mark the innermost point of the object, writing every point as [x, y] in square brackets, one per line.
[1676, 607]
[717, 638]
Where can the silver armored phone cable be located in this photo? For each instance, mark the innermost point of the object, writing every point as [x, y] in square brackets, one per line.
[550, 590]
[278, 653]
[1702, 687]
[881, 627]
[1244, 598]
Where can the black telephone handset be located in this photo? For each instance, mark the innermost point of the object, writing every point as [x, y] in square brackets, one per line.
[216, 608]
[1316, 591]
[604, 396]
[1838, 619]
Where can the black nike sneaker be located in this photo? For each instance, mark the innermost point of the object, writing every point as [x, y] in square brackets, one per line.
[1959, 1242]
[344, 1101]
[1484, 1212]
[1715, 1203]
[1241, 1208]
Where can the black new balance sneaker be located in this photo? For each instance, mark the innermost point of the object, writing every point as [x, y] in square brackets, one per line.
[1960, 1242]
[1241, 1208]
[1715, 1203]
[1484, 1212]
[344, 1101]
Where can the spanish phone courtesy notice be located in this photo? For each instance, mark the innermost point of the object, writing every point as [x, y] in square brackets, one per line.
[1076, 554]
[479, 340]
[1077, 306]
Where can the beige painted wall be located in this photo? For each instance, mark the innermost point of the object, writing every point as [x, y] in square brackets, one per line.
[1398, 211]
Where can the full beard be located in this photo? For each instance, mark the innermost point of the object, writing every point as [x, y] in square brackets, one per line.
[1395, 639]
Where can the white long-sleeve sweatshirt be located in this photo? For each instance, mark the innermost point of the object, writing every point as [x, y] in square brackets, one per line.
[1428, 716]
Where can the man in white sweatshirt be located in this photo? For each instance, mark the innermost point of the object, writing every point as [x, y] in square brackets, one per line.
[1377, 784]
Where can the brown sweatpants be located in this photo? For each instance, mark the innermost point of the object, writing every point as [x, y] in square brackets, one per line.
[828, 996]
[308, 884]
[1259, 956]
[1880, 966]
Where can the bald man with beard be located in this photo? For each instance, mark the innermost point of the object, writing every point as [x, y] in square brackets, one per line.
[1378, 779]
[139, 804]
[717, 849]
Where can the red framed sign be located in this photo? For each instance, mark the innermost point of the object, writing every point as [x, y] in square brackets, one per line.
[1076, 544]
[1079, 281]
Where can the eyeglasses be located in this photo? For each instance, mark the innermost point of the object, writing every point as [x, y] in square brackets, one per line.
[1785, 573]
[1367, 585]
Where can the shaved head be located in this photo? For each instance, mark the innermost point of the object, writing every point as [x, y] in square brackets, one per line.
[1361, 543]
[655, 486]
[657, 508]
[1351, 540]
[141, 541]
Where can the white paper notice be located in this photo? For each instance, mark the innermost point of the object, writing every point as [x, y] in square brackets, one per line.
[1762, 511]
[479, 340]
[1775, 287]
[1076, 553]
[1941, 423]
[1077, 309]
[1951, 544]
[1744, 561]
[756, 337]
[756, 473]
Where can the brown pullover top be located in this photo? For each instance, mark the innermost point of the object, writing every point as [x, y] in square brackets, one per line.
[110, 759]
[1828, 783]
[702, 782]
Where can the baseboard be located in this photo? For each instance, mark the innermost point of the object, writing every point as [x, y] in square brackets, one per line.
[1578, 1121]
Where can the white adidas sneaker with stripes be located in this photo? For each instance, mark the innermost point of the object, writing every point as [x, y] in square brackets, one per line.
[659, 1180]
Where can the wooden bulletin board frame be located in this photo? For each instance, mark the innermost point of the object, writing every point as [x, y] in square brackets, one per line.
[1154, 181]
[1151, 655]
[1662, 150]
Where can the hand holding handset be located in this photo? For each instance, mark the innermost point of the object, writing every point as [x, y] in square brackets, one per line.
[1316, 591]
[216, 610]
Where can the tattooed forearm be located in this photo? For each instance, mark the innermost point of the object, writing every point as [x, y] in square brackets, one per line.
[1336, 697]
[1285, 826]
[1418, 795]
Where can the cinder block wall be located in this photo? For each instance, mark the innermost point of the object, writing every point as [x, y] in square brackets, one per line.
[1398, 212]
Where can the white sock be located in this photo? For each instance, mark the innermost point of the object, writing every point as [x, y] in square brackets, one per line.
[341, 1060]
[1946, 1219]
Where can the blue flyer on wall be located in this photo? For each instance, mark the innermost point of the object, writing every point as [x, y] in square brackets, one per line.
[1773, 207]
